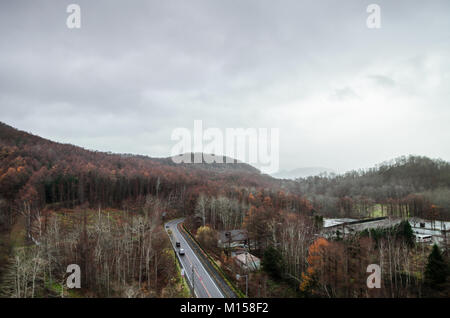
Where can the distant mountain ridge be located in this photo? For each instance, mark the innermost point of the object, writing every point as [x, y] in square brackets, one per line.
[228, 164]
[301, 172]
[13, 137]
[46, 172]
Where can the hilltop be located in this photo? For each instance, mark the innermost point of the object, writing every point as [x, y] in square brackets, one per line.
[46, 172]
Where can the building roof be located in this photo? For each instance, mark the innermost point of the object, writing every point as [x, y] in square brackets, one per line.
[423, 235]
[334, 222]
[248, 259]
[429, 225]
[232, 236]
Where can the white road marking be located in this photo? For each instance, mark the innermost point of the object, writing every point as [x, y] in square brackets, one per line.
[174, 224]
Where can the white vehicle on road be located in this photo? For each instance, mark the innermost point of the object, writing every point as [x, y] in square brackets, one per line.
[202, 282]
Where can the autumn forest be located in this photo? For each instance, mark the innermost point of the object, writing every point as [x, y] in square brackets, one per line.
[61, 204]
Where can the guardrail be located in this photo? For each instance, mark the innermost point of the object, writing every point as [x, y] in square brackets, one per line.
[220, 278]
[185, 277]
[177, 257]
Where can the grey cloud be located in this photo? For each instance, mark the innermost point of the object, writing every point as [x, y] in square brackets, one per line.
[135, 71]
[383, 80]
[344, 93]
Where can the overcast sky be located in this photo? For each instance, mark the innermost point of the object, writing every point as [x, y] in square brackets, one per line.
[342, 95]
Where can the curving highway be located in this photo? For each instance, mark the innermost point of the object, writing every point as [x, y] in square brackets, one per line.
[204, 284]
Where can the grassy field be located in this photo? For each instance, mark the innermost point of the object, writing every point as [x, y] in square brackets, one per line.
[377, 212]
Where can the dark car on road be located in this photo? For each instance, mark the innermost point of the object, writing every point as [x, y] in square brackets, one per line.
[177, 244]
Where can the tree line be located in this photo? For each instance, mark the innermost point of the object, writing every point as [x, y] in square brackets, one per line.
[406, 186]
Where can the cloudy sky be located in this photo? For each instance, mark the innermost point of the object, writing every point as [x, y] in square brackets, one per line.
[342, 95]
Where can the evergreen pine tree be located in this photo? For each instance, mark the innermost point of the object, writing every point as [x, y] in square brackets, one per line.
[436, 271]
[272, 262]
[404, 230]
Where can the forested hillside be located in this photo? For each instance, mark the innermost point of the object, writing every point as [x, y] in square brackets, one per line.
[105, 211]
[406, 186]
[41, 173]
[61, 204]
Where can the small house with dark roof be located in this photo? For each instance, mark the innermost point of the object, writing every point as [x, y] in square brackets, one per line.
[232, 238]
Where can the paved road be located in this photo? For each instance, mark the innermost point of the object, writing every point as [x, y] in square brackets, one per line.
[204, 285]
